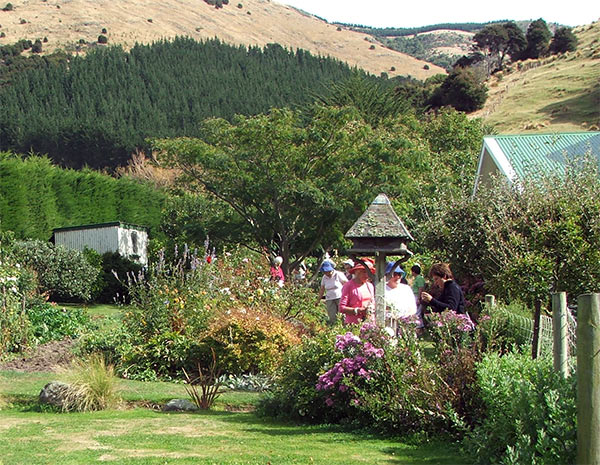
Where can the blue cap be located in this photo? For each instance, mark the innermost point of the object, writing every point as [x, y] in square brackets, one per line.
[390, 265]
[327, 266]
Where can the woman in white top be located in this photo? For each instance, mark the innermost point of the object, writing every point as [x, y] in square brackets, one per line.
[331, 285]
[399, 298]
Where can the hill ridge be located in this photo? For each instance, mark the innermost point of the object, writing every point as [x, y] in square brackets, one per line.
[258, 22]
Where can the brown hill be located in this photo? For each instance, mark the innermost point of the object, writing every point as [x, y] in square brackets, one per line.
[251, 22]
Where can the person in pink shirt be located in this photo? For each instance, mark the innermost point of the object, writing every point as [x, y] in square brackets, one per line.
[358, 295]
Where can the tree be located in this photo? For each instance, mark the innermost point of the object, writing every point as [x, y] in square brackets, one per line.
[461, 90]
[538, 38]
[563, 41]
[527, 240]
[498, 40]
[295, 187]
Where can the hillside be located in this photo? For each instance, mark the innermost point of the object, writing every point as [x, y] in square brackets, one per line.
[558, 93]
[251, 22]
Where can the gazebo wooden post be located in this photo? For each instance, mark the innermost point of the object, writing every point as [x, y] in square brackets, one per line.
[379, 232]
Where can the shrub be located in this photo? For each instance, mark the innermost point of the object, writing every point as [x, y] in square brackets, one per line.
[530, 412]
[92, 385]
[249, 341]
[15, 330]
[50, 322]
[366, 378]
[62, 273]
[102, 39]
[8, 7]
[294, 395]
[112, 278]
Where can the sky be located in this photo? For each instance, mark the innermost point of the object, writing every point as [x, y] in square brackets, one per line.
[412, 13]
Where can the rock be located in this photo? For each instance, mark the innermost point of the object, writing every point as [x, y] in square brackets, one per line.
[180, 405]
[54, 393]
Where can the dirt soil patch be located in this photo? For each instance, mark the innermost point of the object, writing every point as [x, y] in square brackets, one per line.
[45, 357]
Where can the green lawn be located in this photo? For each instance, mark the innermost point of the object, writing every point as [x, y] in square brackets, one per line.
[230, 434]
[105, 315]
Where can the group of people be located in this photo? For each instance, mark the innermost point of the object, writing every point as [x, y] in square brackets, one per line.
[352, 293]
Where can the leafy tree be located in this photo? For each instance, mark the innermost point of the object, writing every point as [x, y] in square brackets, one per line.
[538, 38]
[294, 187]
[460, 90]
[498, 40]
[563, 41]
[37, 46]
[526, 240]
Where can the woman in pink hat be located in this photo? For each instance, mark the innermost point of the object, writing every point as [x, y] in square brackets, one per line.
[358, 295]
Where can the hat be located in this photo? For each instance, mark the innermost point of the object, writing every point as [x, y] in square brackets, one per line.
[327, 266]
[278, 260]
[398, 269]
[349, 262]
[359, 266]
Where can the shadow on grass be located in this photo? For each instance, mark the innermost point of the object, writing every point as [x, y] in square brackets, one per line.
[579, 109]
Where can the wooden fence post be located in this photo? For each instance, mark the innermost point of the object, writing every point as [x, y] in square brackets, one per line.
[490, 301]
[535, 343]
[560, 333]
[588, 379]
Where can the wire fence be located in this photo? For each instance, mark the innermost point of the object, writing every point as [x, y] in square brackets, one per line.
[523, 329]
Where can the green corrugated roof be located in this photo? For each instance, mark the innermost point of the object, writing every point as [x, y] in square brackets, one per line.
[532, 153]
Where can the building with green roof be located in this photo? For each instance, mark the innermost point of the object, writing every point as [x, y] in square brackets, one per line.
[519, 156]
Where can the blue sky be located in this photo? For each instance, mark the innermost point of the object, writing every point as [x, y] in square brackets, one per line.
[410, 13]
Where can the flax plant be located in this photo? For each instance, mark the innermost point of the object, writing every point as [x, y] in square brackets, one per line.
[209, 382]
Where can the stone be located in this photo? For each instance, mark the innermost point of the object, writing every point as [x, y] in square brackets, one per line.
[54, 393]
[180, 405]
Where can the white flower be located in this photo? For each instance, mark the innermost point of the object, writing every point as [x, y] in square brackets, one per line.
[243, 311]
[226, 290]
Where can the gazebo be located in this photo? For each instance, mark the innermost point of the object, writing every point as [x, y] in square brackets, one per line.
[379, 232]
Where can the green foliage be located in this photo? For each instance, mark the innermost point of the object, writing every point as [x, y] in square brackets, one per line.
[538, 39]
[530, 413]
[36, 196]
[50, 322]
[272, 170]
[368, 379]
[563, 41]
[15, 287]
[92, 385]
[184, 309]
[102, 39]
[61, 273]
[461, 90]
[161, 90]
[526, 240]
[115, 269]
[498, 40]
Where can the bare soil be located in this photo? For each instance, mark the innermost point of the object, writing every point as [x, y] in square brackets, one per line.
[45, 357]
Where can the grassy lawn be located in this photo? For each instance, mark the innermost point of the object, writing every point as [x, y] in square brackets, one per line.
[105, 315]
[229, 434]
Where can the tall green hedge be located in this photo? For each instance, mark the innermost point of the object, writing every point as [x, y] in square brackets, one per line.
[37, 196]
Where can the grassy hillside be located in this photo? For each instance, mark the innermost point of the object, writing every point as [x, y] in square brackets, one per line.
[247, 22]
[558, 93]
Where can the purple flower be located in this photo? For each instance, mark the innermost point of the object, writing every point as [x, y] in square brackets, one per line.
[329, 401]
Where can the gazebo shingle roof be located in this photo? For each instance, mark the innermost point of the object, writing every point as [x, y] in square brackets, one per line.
[379, 220]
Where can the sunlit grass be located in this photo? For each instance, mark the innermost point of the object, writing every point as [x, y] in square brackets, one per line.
[227, 435]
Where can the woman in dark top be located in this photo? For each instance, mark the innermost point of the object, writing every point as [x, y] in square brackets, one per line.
[452, 297]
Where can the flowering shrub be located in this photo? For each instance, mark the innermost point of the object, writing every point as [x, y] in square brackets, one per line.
[14, 325]
[225, 305]
[355, 368]
[449, 329]
[367, 378]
